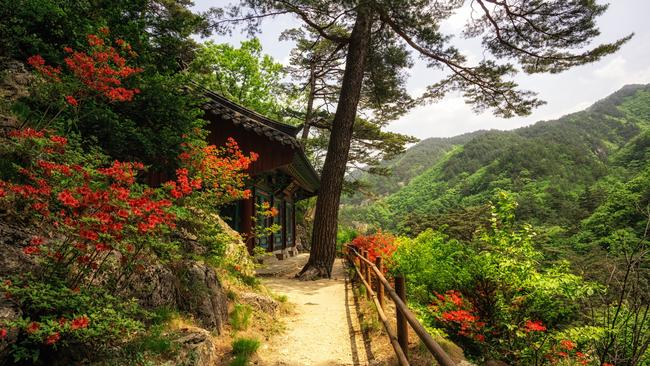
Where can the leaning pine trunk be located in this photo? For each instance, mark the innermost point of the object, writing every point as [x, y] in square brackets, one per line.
[323, 242]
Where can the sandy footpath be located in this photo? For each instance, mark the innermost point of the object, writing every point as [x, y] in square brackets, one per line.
[324, 329]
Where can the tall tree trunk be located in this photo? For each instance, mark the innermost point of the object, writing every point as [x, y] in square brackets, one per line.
[310, 103]
[323, 239]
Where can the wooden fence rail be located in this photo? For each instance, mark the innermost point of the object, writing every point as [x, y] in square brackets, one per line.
[367, 272]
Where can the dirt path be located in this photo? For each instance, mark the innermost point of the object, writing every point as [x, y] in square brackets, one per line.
[324, 329]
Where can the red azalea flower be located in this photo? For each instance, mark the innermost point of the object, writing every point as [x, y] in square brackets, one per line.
[3, 333]
[100, 247]
[89, 235]
[53, 338]
[80, 323]
[59, 140]
[33, 327]
[534, 326]
[68, 199]
[71, 100]
[567, 344]
[31, 250]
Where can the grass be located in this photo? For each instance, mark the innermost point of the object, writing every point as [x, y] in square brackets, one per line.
[281, 298]
[240, 317]
[243, 349]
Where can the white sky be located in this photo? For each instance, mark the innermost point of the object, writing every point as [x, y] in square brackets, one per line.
[568, 92]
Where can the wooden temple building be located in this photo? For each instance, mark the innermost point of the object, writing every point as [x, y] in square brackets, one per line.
[281, 176]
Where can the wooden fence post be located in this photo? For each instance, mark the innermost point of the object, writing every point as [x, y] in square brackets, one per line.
[380, 286]
[361, 263]
[366, 272]
[402, 325]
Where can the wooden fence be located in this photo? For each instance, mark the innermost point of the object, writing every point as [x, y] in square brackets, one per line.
[371, 273]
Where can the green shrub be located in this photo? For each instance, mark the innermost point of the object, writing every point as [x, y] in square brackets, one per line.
[245, 346]
[242, 349]
[240, 316]
[240, 360]
[53, 315]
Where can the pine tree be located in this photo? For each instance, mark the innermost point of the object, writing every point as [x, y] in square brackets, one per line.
[539, 35]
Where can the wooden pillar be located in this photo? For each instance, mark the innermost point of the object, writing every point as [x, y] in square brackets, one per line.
[283, 222]
[366, 272]
[402, 325]
[293, 221]
[269, 221]
[379, 285]
[247, 207]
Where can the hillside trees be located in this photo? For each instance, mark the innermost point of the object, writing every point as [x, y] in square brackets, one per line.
[244, 75]
[540, 36]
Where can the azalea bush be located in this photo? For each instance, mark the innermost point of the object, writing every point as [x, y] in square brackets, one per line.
[56, 317]
[491, 294]
[379, 244]
[100, 88]
[93, 219]
[99, 73]
[97, 227]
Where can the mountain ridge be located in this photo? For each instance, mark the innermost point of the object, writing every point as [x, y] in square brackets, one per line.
[550, 165]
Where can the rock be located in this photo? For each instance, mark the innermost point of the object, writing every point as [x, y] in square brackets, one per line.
[236, 250]
[14, 84]
[197, 348]
[8, 312]
[260, 302]
[13, 260]
[189, 286]
[202, 295]
[156, 286]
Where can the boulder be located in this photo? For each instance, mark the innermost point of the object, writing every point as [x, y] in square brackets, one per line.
[156, 286]
[201, 294]
[14, 84]
[259, 302]
[197, 348]
[13, 260]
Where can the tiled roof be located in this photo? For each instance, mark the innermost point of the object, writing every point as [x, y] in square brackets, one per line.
[263, 126]
[252, 121]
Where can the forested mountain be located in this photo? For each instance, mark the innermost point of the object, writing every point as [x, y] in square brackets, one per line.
[560, 171]
[413, 162]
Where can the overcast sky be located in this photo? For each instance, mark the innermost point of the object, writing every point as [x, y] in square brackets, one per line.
[570, 91]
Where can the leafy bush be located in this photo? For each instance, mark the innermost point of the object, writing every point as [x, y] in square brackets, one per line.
[490, 295]
[55, 316]
[243, 349]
